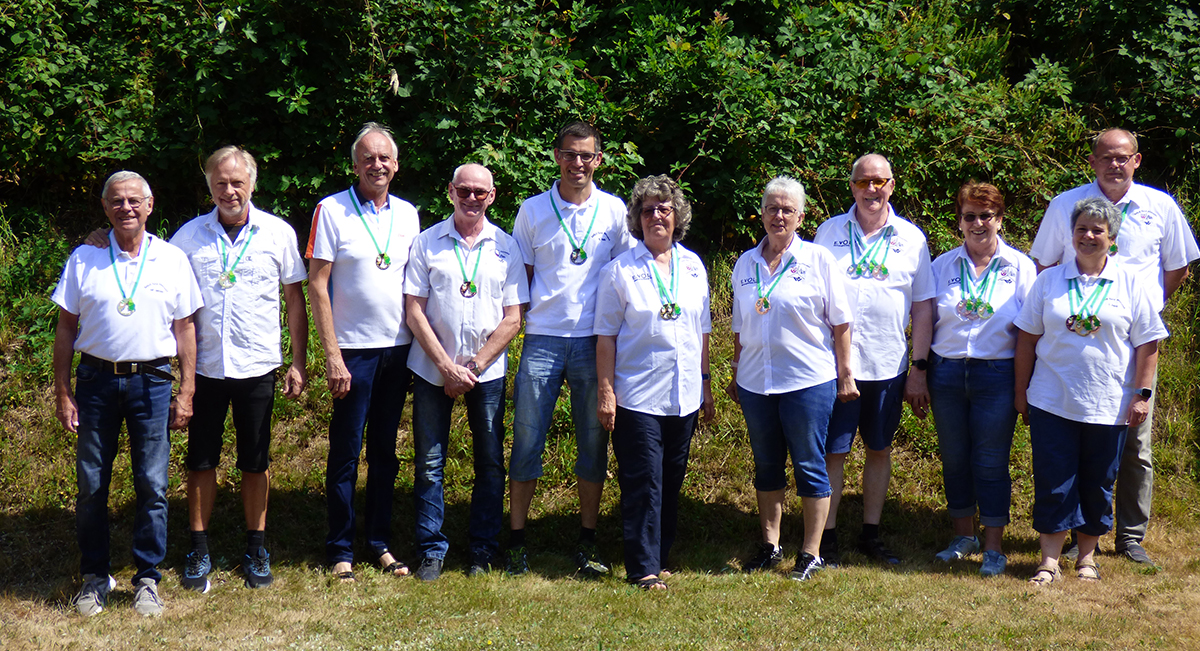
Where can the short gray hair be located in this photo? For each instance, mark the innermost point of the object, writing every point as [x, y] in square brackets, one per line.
[462, 168]
[366, 130]
[786, 186]
[861, 159]
[121, 177]
[1097, 207]
[219, 157]
[662, 188]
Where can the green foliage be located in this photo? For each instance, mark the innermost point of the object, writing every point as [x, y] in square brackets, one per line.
[28, 271]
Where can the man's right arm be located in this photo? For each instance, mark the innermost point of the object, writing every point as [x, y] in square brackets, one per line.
[64, 352]
[336, 373]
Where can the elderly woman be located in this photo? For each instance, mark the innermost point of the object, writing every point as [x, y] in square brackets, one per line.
[791, 359]
[652, 325]
[981, 287]
[1089, 339]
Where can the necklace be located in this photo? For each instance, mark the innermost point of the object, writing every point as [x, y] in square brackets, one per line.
[381, 260]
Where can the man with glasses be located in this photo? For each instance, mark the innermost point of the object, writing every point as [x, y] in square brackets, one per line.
[887, 260]
[359, 245]
[566, 235]
[1156, 241]
[463, 292]
[127, 309]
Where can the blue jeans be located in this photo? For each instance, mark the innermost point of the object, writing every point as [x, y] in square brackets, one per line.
[143, 402]
[379, 379]
[545, 362]
[972, 404]
[431, 436]
[1074, 467]
[795, 422]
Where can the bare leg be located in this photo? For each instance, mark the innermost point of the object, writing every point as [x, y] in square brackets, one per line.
[877, 472]
[255, 488]
[589, 503]
[965, 526]
[520, 497]
[835, 465]
[770, 513]
[816, 512]
[1052, 544]
[1087, 548]
[993, 538]
[201, 493]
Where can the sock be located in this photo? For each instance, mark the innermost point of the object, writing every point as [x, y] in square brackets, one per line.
[869, 532]
[587, 535]
[254, 541]
[516, 538]
[200, 542]
[829, 541]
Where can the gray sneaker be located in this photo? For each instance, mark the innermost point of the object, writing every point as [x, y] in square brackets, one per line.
[993, 563]
[145, 598]
[1136, 553]
[960, 548]
[93, 596]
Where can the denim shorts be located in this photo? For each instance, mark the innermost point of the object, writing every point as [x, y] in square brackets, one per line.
[795, 422]
[875, 415]
[1074, 467]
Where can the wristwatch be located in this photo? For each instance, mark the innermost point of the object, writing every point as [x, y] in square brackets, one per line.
[474, 368]
[921, 364]
[1145, 392]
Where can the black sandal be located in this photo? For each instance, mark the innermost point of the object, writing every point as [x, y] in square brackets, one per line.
[394, 569]
[650, 583]
[346, 577]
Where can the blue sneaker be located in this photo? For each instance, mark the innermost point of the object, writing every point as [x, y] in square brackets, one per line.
[195, 576]
[257, 569]
[993, 563]
[960, 548]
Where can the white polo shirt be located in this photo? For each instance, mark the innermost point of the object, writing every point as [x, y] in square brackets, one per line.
[791, 346]
[463, 325]
[367, 302]
[1088, 379]
[882, 307]
[167, 292]
[658, 360]
[958, 337]
[1154, 234]
[562, 297]
[237, 330]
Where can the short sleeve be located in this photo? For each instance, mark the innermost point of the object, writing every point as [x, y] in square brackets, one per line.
[736, 316]
[190, 299]
[923, 287]
[610, 304]
[322, 242]
[416, 272]
[292, 265]
[1048, 244]
[66, 293]
[516, 284]
[1179, 243]
[523, 233]
[1030, 317]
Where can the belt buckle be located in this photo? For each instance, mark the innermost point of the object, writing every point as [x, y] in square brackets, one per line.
[133, 368]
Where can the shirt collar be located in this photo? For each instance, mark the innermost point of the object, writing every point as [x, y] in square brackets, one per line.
[451, 231]
[213, 220]
[122, 255]
[367, 205]
[1136, 194]
[1108, 273]
[1006, 254]
[793, 248]
[561, 203]
[891, 217]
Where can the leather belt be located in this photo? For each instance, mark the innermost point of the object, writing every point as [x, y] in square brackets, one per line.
[129, 368]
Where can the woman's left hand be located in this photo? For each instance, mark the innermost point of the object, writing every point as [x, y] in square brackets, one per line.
[916, 393]
[1139, 410]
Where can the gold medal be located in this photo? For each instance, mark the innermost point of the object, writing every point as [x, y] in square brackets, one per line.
[762, 305]
[125, 307]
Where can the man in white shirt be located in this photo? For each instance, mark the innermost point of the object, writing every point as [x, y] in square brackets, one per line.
[464, 288]
[240, 255]
[126, 324]
[359, 245]
[566, 234]
[1157, 244]
[887, 260]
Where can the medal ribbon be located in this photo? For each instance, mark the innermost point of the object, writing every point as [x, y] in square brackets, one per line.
[982, 286]
[225, 268]
[868, 256]
[391, 223]
[667, 298]
[771, 288]
[563, 224]
[141, 267]
[1091, 306]
[462, 266]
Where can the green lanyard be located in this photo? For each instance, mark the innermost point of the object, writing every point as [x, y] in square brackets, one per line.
[228, 278]
[868, 262]
[468, 288]
[125, 306]
[578, 255]
[973, 304]
[1112, 248]
[1084, 319]
[670, 307]
[763, 304]
[382, 260]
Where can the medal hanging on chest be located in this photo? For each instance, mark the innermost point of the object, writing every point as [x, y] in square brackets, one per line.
[763, 304]
[670, 309]
[1084, 319]
[126, 306]
[869, 262]
[468, 288]
[578, 255]
[973, 305]
[382, 261]
[228, 277]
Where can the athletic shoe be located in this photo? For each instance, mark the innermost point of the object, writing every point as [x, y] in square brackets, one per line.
[1136, 553]
[257, 569]
[93, 596]
[960, 548]
[430, 569]
[993, 563]
[480, 564]
[587, 559]
[195, 576]
[806, 568]
[145, 598]
[873, 549]
[517, 562]
[767, 558]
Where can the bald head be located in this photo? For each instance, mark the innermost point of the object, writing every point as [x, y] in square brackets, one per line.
[876, 160]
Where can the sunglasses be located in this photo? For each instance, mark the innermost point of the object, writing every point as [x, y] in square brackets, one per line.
[464, 192]
[985, 217]
[863, 184]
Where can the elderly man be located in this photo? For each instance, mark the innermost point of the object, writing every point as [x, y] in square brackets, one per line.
[240, 255]
[566, 234]
[1157, 243]
[126, 323]
[464, 288]
[888, 262]
[359, 246]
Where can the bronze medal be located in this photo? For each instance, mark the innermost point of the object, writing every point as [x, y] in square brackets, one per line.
[468, 289]
[383, 261]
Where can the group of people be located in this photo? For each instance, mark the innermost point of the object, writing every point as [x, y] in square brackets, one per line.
[614, 306]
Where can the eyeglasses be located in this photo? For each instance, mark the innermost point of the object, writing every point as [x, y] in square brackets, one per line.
[568, 156]
[134, 202]
[664, 209]
[863, 184]
[1121, 161]
[985, 217]
[786, 211]
[464, 192]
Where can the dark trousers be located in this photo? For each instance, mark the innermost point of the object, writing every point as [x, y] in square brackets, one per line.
[652, 455]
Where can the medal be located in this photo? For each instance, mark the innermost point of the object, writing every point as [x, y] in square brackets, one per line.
[880, 273]
[383, 261]
[467, 289]
[868, 263]
[1071, 323]
[852, 270]
[973, 302]
[1084, 320]
[670, 312]
[762, 305]
[961, 309]
[125, 307]
[578, 256]
[985, 311]
[226, 279]
[670, 308]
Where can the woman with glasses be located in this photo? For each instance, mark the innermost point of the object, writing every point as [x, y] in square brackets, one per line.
[981, 287]
[652, 325]
[791, 360]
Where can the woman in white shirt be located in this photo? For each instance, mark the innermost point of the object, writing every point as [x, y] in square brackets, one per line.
[652, 325]
[791, 359]
[1085, 360]
[981, 287]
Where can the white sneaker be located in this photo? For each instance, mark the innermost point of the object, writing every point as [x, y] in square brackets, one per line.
[145, 598]
[960, 548]
[93, 596]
